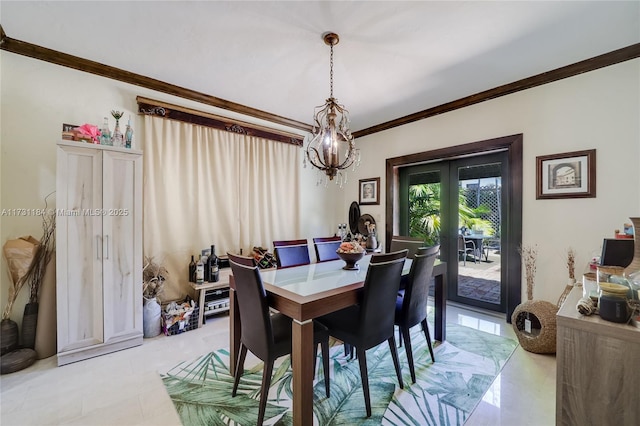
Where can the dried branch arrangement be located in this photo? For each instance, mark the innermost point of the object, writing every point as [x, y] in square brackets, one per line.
[529, 255]
[35, 274]
[153, 277]
[571, 262]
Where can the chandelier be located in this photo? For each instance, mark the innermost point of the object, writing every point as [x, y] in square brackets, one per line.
[330, 146]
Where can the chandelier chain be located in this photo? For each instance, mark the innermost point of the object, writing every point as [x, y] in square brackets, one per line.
[331, 71]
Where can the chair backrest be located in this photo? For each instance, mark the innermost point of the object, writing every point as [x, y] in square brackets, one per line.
[291, 253]
[326, 248]
[461, 244]
[257, 334]
[377, 308]
[399, 242]
[464, 244]
[243, 260]
[416, 293]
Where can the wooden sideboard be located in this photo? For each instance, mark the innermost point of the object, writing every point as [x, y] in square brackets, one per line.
[598, 369]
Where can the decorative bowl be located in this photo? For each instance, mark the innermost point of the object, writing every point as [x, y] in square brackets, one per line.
[350, 260]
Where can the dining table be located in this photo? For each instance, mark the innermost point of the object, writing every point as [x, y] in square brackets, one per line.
[310, 291]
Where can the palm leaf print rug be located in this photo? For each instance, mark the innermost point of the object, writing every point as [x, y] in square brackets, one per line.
[445, 392]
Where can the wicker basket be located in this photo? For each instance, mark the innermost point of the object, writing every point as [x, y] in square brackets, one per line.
[179, 326]
[534, 323]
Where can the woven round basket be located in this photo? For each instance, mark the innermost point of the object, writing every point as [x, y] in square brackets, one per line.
[534, 323]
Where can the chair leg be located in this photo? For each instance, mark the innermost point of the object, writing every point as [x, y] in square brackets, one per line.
[396, 362]
[407, 343]
[324, 345]
[362, 361]
[264, 389]
[400, 336]
[239, 368]
[427, 334]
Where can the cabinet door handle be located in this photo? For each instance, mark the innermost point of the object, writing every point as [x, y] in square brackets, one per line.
[107, 238]
[97, 247]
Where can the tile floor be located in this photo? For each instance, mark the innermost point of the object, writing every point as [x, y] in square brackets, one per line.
[124, 388]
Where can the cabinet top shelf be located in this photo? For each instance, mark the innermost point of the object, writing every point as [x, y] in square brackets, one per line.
[98, 146]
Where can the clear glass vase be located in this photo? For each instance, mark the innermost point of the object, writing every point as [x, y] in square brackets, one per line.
[117, 139]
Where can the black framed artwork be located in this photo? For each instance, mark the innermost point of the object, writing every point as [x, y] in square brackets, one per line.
[566, 175]
[370, 191]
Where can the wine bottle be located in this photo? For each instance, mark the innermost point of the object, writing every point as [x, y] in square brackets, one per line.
[200, 270]
[192, 270]
[212, 263]
[207, 270]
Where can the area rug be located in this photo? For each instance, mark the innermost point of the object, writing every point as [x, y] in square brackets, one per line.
[445, 392]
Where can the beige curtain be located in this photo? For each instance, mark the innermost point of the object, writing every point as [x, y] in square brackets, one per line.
[204, 186]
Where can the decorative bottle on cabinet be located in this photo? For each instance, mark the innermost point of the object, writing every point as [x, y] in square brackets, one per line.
[200, 270]
[192, 270]
[105, 133]
[128, 134]
[212, 264]
[98, 257]
[117, 139]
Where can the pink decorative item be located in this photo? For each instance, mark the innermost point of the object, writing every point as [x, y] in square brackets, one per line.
[89, 130]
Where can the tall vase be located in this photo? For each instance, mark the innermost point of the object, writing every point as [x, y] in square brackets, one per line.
[29, 324]
[634, 266]
[151, 317]
[8, 336]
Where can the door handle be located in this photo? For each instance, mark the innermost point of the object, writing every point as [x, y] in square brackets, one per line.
[97, 247]
[107, 238]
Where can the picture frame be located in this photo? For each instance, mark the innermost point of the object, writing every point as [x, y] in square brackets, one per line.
[566, 175]
[369, 191]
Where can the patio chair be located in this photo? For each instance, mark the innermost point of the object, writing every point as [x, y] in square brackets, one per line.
[466, 246]
[488, 245]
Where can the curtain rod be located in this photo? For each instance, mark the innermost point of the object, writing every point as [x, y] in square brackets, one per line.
[188, 115]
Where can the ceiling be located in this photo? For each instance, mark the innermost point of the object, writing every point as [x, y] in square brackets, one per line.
[394, 58]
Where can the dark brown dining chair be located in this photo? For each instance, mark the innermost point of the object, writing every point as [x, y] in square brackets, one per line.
[412, 244]
[291, 253]
[370, 323]
[411, 304]
[267, 336]
[326, 248]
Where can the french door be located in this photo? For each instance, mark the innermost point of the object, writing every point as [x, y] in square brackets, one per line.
[458, 203]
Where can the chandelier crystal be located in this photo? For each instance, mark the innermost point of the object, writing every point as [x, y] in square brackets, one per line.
[330, 146]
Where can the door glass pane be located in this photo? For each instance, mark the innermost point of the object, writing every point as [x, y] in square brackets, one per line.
[479, 221]
[424, 207]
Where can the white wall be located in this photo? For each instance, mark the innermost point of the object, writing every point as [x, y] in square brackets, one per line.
[38, 97]
[599, 109]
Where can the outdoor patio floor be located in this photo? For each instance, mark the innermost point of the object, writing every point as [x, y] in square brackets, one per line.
[480, 280]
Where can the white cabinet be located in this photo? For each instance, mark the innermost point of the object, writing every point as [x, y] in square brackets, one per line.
[98, 250]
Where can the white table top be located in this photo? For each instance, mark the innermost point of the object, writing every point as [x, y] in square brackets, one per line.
[315, 278]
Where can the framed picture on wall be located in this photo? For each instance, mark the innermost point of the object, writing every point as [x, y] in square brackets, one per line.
[567, 175]
[370, 191]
